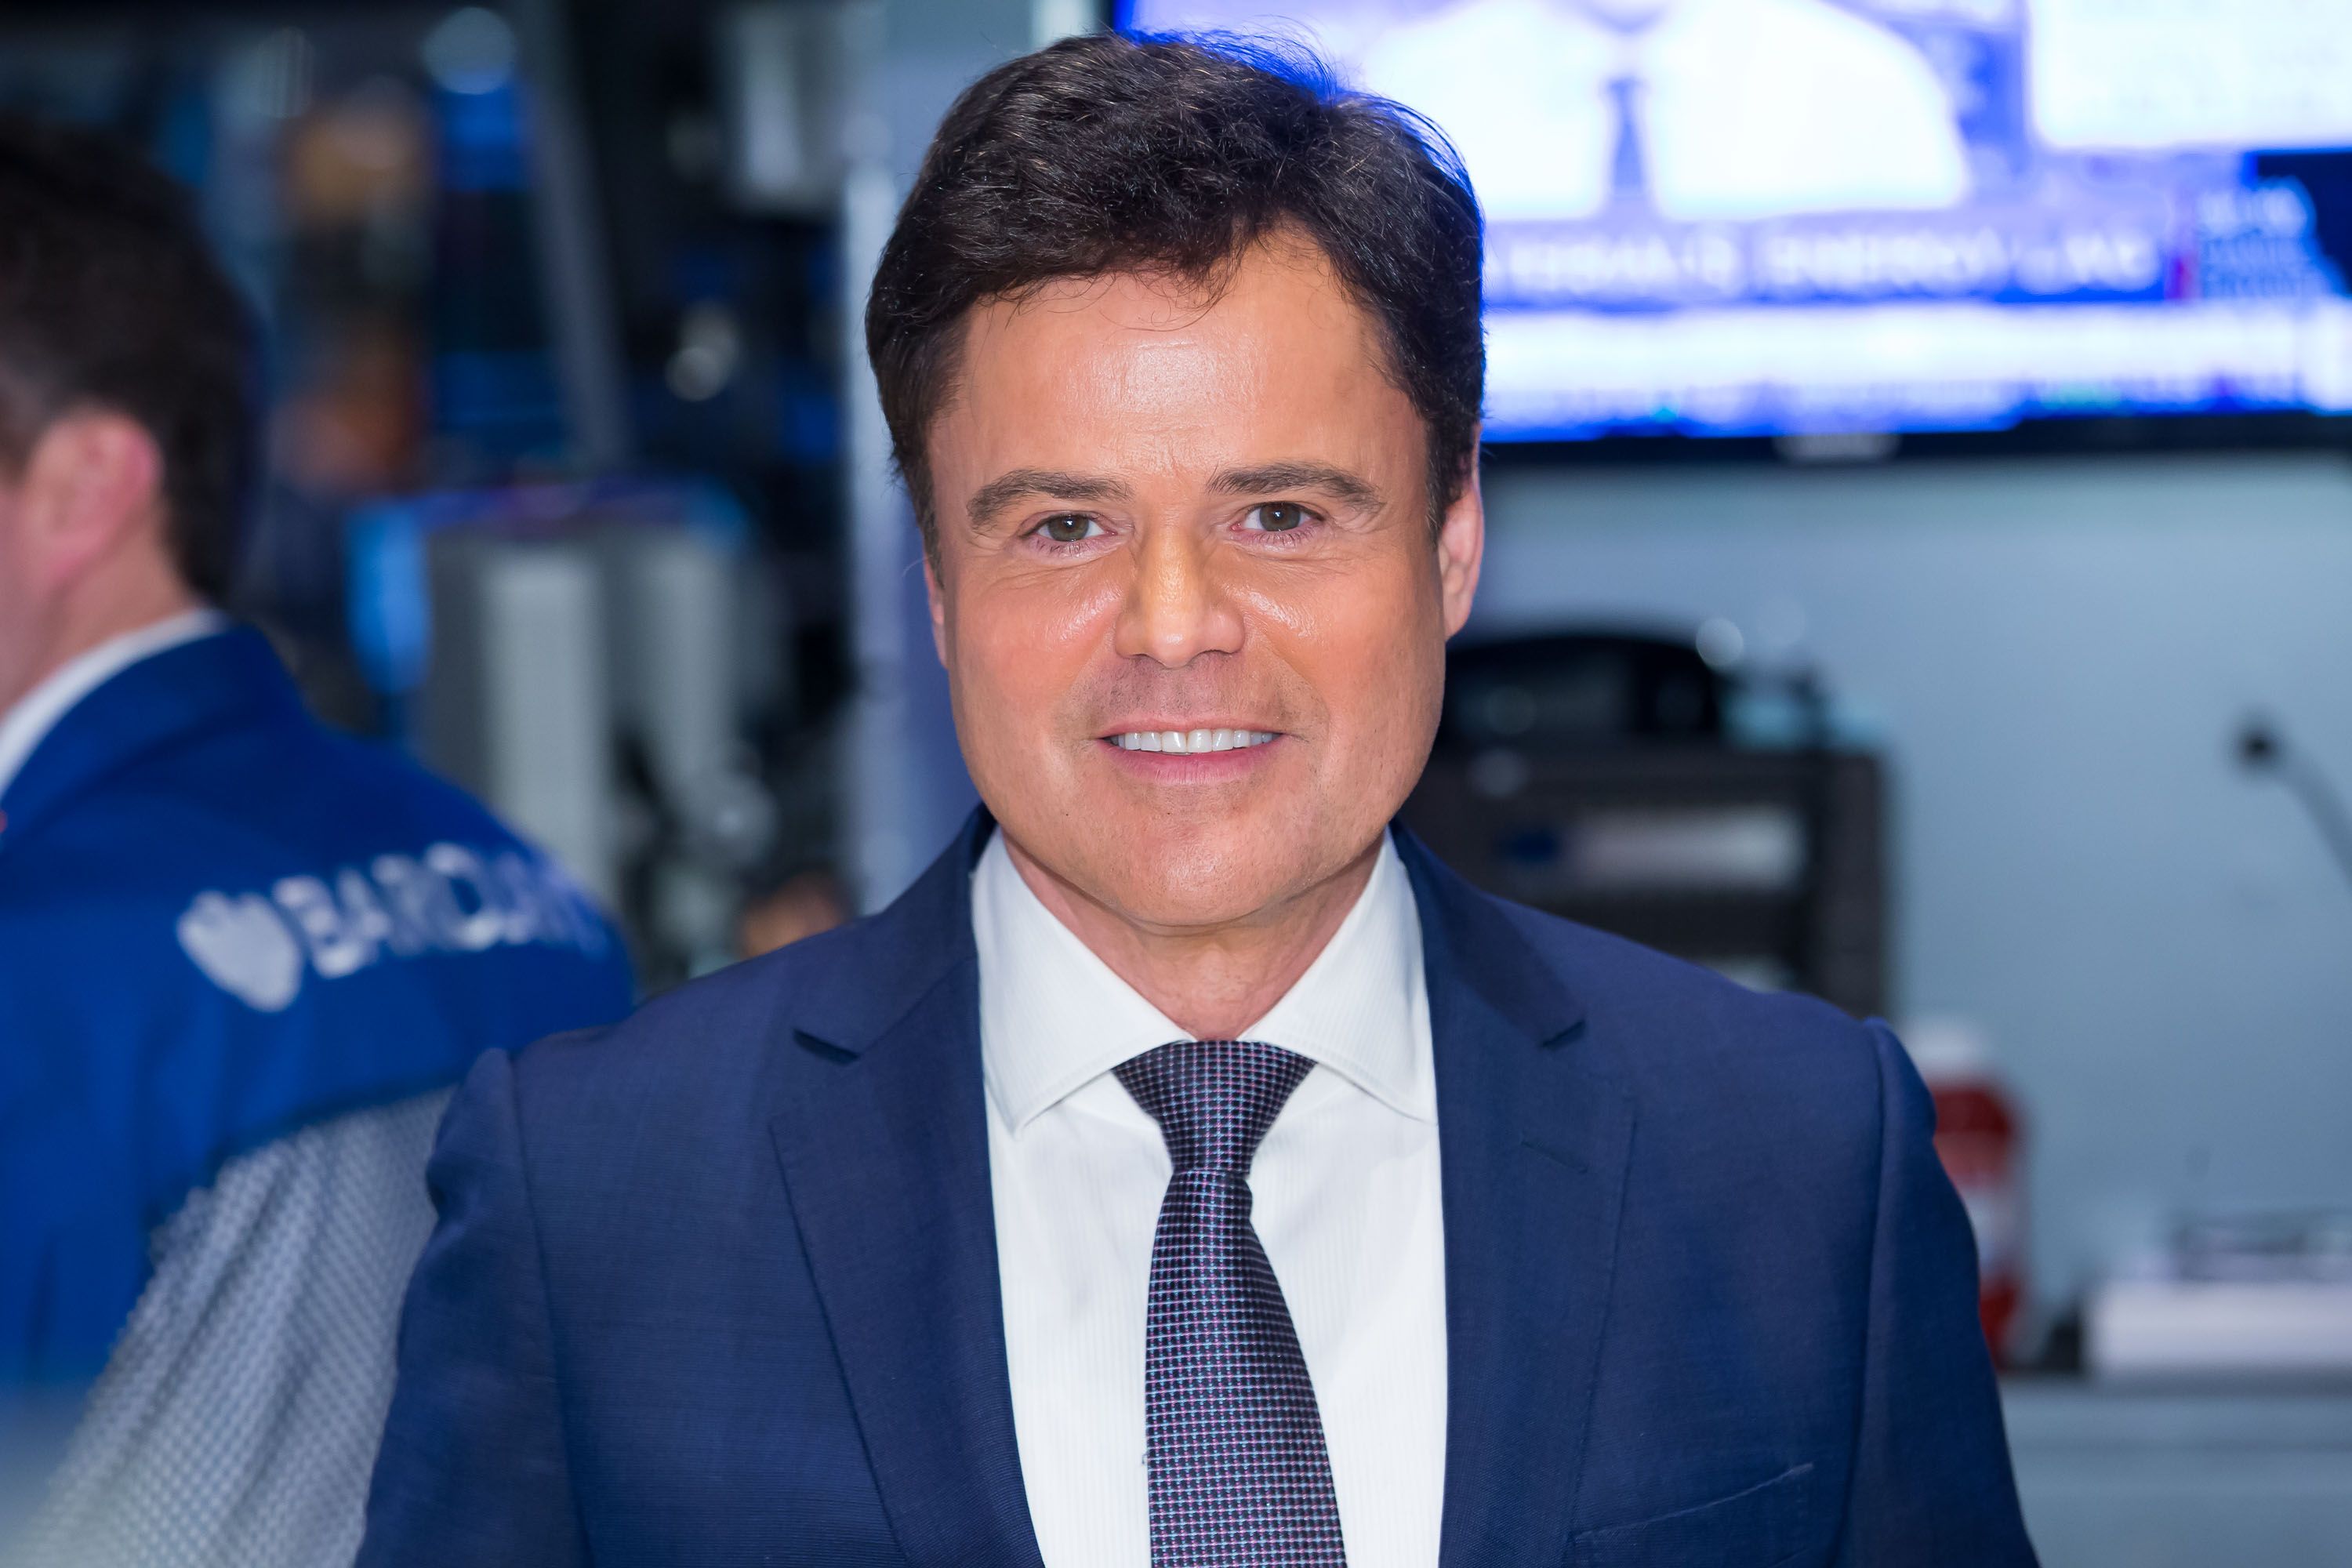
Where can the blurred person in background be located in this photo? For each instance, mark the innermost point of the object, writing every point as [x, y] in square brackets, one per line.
[242, 959]
[798, 908]
[1188, 1170]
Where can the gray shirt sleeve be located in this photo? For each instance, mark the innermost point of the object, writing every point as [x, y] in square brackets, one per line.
[238, 1420]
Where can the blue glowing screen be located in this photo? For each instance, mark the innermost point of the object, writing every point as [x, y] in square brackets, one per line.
[1775, 217]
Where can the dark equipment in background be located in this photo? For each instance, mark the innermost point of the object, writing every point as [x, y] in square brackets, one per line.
[1595, 775]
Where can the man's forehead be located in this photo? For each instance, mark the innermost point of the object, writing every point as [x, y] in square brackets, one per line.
[1145, 370]
[1278, 296]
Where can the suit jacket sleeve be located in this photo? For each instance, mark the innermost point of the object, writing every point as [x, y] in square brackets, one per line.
[473, 1467]
[1932, 1486]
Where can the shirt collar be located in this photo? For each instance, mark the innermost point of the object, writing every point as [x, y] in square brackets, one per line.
[25, 725]
[1053, 1016]
[1363, 1008]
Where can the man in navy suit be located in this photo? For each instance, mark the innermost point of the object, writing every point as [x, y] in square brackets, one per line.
[1188, 1169]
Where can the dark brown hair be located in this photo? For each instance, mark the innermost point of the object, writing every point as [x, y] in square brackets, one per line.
[1105, 154]
[109, 298]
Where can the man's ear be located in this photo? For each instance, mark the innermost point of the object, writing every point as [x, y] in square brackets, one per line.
[93, 480]
[1460, 548]
[939, 603]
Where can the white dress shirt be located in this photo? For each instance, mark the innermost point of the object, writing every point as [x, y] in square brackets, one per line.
[1346, 1189]
[28, 721]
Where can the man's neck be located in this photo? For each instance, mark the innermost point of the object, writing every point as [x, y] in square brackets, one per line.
[88, 621]
[1212, 980]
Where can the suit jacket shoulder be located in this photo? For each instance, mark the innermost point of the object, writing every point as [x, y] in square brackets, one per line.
[1705, 1056]
[693, 1076]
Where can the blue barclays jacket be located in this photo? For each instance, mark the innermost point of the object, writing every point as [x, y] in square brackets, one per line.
[718, 1285]
[220, 922]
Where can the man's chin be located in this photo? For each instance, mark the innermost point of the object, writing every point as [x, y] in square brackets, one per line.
[1185, 859]
[1192, 880]
[1175, 910]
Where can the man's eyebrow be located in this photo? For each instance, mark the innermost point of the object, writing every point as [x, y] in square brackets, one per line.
[1267, 478]
[1021, 483]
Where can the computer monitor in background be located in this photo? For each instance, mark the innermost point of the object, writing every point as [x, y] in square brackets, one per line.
[1793, 216]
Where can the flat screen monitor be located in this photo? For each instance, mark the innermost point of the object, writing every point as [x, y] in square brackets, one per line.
[1761, 217]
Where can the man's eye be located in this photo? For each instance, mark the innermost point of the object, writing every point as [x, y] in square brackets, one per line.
[1278, 517]
[1069, 528]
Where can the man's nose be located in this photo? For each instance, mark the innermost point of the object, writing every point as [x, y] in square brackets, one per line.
[1175, 609]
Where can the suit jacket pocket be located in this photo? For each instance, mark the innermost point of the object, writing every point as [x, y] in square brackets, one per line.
[1763, 1527]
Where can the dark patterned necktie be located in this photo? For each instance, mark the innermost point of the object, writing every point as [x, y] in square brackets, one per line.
[1232, 1443]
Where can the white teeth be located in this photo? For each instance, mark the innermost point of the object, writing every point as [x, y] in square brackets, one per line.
[1190, 743]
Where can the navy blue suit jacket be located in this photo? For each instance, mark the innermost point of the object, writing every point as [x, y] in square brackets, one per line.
[719, 1283]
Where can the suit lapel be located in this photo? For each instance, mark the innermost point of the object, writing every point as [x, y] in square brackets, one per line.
[884, 1143]
[1534, 1144]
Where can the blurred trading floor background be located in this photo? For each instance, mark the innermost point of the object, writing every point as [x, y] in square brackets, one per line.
[1926, 583]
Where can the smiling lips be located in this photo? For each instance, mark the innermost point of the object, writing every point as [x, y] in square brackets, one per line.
[1187, 743]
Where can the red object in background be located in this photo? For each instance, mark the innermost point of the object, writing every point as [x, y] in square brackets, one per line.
[1979, 1136]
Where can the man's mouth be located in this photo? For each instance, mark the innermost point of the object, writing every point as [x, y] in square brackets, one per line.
[1186, 742]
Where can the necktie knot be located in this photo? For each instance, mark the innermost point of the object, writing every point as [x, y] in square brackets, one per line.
[1213, 1099]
